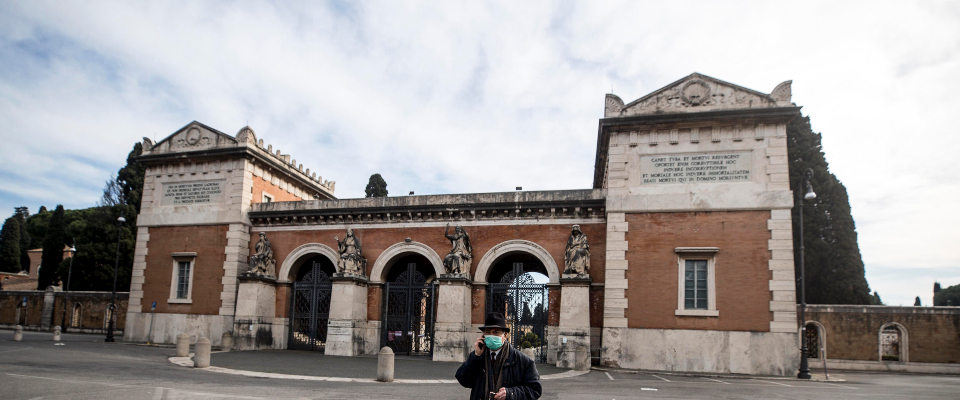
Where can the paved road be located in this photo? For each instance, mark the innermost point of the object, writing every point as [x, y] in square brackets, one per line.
[86, 368]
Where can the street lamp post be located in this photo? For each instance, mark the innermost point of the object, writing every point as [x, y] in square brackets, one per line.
[113, 299]
[63, 316]
[804, 367]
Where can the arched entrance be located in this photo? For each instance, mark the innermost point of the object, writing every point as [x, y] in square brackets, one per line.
[310, 304]
[518, 290]
[409, 306]
[814, 336]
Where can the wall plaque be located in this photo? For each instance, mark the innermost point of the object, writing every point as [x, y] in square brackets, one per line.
[189, 193]
[695, 168]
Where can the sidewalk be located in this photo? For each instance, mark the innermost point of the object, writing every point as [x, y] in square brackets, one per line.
[309, 365]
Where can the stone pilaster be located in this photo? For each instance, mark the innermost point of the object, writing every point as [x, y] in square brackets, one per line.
[450, 338]
[574, 330]
[346, 326]
[255, 311]
[615, 287]
[782, 284]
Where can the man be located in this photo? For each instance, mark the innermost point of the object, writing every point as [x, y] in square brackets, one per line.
[494, 370]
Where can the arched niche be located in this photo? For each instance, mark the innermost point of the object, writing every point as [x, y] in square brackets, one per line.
[821, 335]
[516, 246]
[300, 254]
[903, 342]
[392, 253]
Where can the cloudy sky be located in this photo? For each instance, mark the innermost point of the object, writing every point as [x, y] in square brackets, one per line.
[453, 97]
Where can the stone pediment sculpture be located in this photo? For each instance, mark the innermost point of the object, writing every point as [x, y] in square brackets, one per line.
[460, 258]
[576, 258]
[351, 261]
[262, 262]
[194, 136]
[697, 93]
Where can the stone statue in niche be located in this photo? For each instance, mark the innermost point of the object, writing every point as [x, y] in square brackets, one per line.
[460, 256]
[351, 256]
[262, 262]
[576, 258]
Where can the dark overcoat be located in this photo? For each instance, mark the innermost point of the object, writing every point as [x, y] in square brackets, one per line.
[520, 376]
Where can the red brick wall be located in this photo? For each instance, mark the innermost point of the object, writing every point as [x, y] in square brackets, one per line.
[260, 186]
[209, 242]
[852, 332]
[742, 272]
[553, 238]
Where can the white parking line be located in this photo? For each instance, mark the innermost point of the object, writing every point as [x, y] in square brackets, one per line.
[726, 383]
[834, 384]
[661, 378]
[775, 383]
[608, 375]
[158, 394]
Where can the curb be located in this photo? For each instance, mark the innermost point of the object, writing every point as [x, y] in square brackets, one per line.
[188, 362]
[709, 375]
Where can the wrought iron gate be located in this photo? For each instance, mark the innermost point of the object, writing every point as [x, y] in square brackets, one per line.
[409, 313]
[524, 304]
[310, 310]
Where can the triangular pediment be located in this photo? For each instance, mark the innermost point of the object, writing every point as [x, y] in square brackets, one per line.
[194, 136]
[697, 93]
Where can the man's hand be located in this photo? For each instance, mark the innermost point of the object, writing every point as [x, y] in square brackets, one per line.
[478, 346]
[501, 395]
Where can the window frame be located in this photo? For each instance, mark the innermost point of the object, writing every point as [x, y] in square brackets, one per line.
[266, 197]
[707, 254]
[191, 258]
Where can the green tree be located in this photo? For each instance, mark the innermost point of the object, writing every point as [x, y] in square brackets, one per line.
[25, 240]
[917, 302]
[52, 250]
[96, 230]
[376, 187]
[949, 296]
[875, 299]
[531, 339]
[834, 267]
[10, 245]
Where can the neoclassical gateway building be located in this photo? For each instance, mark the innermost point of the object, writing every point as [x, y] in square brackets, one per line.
[678, 258]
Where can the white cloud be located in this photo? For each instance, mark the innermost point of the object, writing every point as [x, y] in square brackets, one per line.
[473, 97]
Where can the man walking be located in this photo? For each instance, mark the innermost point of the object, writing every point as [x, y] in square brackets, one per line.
[497, 371]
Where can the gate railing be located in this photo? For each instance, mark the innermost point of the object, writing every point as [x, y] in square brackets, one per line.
[408, 318]
[524, 306]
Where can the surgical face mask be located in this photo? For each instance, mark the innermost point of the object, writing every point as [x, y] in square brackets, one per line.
[493, 342]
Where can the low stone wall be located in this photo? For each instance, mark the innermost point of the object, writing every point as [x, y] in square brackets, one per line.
[85, 311]
[851, 337]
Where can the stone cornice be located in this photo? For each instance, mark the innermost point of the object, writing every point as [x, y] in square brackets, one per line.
[583, 204]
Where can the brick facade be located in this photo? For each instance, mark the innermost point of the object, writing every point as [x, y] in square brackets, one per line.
[261, 186]
[742, 275]
[209, 242]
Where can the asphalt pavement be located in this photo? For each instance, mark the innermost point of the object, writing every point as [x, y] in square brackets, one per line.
[83, 367]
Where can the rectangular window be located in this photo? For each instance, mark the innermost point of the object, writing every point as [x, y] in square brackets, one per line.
[181, 277]
[695, 285]
[696, 294]
[183, 280]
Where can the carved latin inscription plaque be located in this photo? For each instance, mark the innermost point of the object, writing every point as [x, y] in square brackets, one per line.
[695, 168]
[189, 193]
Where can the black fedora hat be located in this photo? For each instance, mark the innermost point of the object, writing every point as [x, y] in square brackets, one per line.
[495, 320]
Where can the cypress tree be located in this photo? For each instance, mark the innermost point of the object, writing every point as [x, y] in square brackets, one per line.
[949, 296]
[834, 267]
[52, 250]
[917, 302]
[875, 300]
[376, 187]
[25, 240]
[10, 245]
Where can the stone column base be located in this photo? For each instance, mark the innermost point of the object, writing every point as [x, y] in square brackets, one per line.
[574, 349]
[347, 327]
[256, 305]
[450, 341]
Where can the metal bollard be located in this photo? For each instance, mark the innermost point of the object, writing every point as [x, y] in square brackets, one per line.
[385, 365]
[18, 333]
[183, 345]
[201, 355]
[226, 341]
[56, 334]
